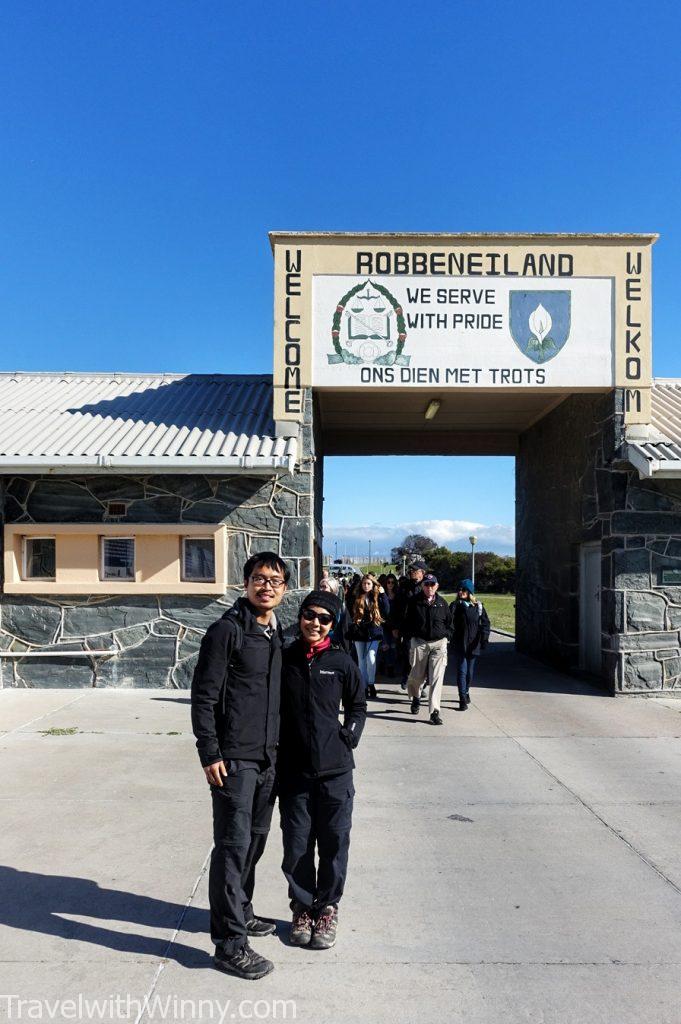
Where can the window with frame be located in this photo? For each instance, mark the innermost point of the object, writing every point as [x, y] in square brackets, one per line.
[40, 558]
[198, 559]
[117, 558]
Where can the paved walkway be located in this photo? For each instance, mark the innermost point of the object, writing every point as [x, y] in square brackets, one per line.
[521, 864]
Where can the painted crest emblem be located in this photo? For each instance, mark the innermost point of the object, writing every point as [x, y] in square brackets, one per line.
[368, 327]
[539, 322]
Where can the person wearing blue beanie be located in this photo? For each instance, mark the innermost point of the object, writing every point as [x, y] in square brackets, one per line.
[470, 635]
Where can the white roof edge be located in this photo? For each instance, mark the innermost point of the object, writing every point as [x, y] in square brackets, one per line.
[115, 464]
[639, 460]
[662, 469]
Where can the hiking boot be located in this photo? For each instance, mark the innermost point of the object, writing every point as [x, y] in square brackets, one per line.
[415, 705]
[435, 718]
[244, 963]
[325, 927]
[259, 927]
[301, 926]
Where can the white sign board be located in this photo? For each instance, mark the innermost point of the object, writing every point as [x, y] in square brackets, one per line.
[463, 332]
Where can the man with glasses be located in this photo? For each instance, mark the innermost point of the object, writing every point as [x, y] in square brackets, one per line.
[428, 622]
[235, 717]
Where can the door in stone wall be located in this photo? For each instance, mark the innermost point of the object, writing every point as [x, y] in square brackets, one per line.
[590, 609]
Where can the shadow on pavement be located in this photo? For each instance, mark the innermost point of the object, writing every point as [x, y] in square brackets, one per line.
[501, 667]
[36, 903]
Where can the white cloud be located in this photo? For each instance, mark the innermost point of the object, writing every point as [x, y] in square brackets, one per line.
[451, 533]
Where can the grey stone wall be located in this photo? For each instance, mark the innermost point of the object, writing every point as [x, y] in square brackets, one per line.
[573, 485]
[642, 615]
[557, 510]
[153, 640]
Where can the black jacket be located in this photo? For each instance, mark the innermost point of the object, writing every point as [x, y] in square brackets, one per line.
[471, 627]
[424, 621]
[366, 630]
[313, 742]
[405, 591]
[236, 689]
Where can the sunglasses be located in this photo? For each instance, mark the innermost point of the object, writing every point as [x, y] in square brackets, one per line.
[322, 618]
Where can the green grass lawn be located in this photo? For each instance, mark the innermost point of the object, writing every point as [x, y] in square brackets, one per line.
[500, 608]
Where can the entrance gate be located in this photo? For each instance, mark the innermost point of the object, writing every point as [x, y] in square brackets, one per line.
[536, 346]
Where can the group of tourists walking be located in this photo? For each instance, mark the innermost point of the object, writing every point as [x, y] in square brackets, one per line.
[266, 721]
[273, 720]
[412, 627]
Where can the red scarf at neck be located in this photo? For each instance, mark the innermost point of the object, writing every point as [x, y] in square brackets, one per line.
[310, 651]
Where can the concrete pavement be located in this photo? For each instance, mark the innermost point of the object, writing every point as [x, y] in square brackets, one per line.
[520, 864]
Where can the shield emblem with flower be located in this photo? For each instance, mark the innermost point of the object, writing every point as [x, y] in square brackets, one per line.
[539, 322]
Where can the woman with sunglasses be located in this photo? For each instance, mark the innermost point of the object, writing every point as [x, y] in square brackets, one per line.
[369, 610]
[315, 764]
[470, 635]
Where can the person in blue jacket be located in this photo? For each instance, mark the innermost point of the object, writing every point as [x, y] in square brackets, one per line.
[315, 767]
[470, 635]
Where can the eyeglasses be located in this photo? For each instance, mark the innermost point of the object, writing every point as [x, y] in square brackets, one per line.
[322, 618]
[268, 581]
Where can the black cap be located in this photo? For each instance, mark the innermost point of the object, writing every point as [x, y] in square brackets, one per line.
[322, 599]
[417, 565]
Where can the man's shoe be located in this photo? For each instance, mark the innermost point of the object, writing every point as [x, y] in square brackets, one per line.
[435, 718]
[463, 705]
[424, 691]
[301, 926]
[245, 963]
[371, 692]
[468, 698]
[415, 705]
[403, 684]
[325, 927]
[259, 927]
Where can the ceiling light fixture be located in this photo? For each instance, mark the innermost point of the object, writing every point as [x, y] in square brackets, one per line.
[432, 410]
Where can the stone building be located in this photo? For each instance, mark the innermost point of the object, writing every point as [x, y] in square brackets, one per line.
[129, 506]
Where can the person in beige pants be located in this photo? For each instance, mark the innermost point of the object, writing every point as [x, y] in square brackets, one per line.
[428, 621]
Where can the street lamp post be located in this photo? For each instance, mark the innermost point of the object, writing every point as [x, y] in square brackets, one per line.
[369, 553]
[473, 539]
[336, 543]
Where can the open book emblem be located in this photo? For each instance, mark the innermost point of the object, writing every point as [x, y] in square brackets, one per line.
[368, 327]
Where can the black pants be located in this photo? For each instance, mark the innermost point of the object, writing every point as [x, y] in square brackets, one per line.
[316, 813]
[242, 813]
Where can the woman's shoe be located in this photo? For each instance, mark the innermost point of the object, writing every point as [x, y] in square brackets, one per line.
[301, 926]
[325, 927]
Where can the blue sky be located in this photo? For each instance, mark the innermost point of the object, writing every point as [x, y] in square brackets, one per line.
[146, 149]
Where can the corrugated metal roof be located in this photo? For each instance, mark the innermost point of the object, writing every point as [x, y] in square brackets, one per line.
[188, 422]
[660, 454]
